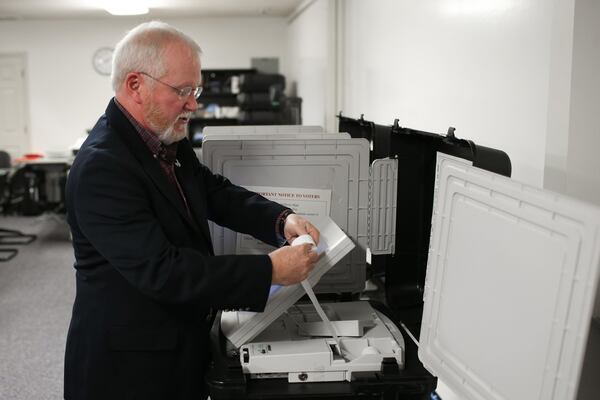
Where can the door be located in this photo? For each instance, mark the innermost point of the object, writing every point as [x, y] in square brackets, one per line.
[14, 135]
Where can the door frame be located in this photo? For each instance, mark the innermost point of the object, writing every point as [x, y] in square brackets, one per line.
[25, 98]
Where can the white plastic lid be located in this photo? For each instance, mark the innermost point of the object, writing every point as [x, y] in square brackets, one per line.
[511, 279]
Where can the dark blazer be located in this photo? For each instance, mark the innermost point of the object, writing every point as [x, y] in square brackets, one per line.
[146, 273]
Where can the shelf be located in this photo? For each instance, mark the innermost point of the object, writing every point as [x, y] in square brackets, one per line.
[217, 95]
[222, 99]
[200, 120]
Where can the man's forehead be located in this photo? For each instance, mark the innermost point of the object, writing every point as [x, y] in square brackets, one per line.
[179, 48]
[182, 57]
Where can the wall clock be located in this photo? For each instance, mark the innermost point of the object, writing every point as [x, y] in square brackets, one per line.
[102, 60]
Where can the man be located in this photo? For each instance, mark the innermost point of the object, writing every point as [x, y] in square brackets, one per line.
[138, 202]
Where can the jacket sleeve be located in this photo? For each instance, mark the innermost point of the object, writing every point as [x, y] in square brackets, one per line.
[113, 211]
[239, 209]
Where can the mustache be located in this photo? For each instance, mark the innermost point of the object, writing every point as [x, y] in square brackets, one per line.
[187, 115]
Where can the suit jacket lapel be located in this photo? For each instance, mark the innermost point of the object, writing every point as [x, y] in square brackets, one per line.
[190, 186]
[150, 165]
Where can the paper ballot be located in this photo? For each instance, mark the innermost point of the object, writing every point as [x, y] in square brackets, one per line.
[241, 327]
[311, 294]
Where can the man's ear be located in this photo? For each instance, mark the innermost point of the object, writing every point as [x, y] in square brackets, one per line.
[133, 86]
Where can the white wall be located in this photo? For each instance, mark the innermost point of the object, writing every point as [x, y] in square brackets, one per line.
[66, 96]
[583, 158]
[309, 56]
[573, 136]
[559, 96]
[583, 162]
[487, 68]
[520, 76]
[572, 161]
[480, 66]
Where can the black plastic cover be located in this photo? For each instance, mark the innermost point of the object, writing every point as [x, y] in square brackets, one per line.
[257, 101]
[261, 82]
[415, 150]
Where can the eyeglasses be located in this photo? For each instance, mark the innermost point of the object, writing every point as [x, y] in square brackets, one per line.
[182, 93]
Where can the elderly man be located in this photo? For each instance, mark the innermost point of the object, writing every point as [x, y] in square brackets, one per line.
[138, 201]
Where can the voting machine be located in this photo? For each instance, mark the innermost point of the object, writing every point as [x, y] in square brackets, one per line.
[495, 279]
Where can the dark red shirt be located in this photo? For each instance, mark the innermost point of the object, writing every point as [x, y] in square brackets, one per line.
[166, 155]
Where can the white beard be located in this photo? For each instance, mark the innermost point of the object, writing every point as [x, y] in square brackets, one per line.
[164, 130]
[169, 135]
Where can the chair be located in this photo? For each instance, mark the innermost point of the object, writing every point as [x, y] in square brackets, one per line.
[4, 160]
[9, 236]
[23, 194]
[5, 253]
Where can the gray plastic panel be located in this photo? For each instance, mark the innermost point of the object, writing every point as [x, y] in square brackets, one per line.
[341, 166]
[383, 193]
[261, 129]
[276, 135]
[262, 133]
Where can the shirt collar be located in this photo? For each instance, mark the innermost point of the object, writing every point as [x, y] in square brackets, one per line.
[166, 153]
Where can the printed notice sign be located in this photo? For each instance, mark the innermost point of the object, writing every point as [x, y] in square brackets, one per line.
[305, 202]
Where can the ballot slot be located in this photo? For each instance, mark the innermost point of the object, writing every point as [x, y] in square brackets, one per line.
[307, 239]
[335, 351]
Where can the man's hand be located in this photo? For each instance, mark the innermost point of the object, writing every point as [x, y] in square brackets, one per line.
[295, 225]
[292, 264]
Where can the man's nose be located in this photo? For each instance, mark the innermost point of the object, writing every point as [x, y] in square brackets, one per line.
[191, 104]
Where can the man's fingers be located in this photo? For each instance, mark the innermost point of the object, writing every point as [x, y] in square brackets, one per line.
[308, 248]
[292, 264]
[312, 231]
[296, 225]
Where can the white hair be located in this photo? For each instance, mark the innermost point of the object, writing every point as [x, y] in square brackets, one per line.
[143, 48]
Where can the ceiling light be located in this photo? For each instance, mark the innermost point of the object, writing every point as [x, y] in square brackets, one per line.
[126, 7]
[127, 10]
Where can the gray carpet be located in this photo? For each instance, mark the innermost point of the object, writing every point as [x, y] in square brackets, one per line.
[37, 289]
